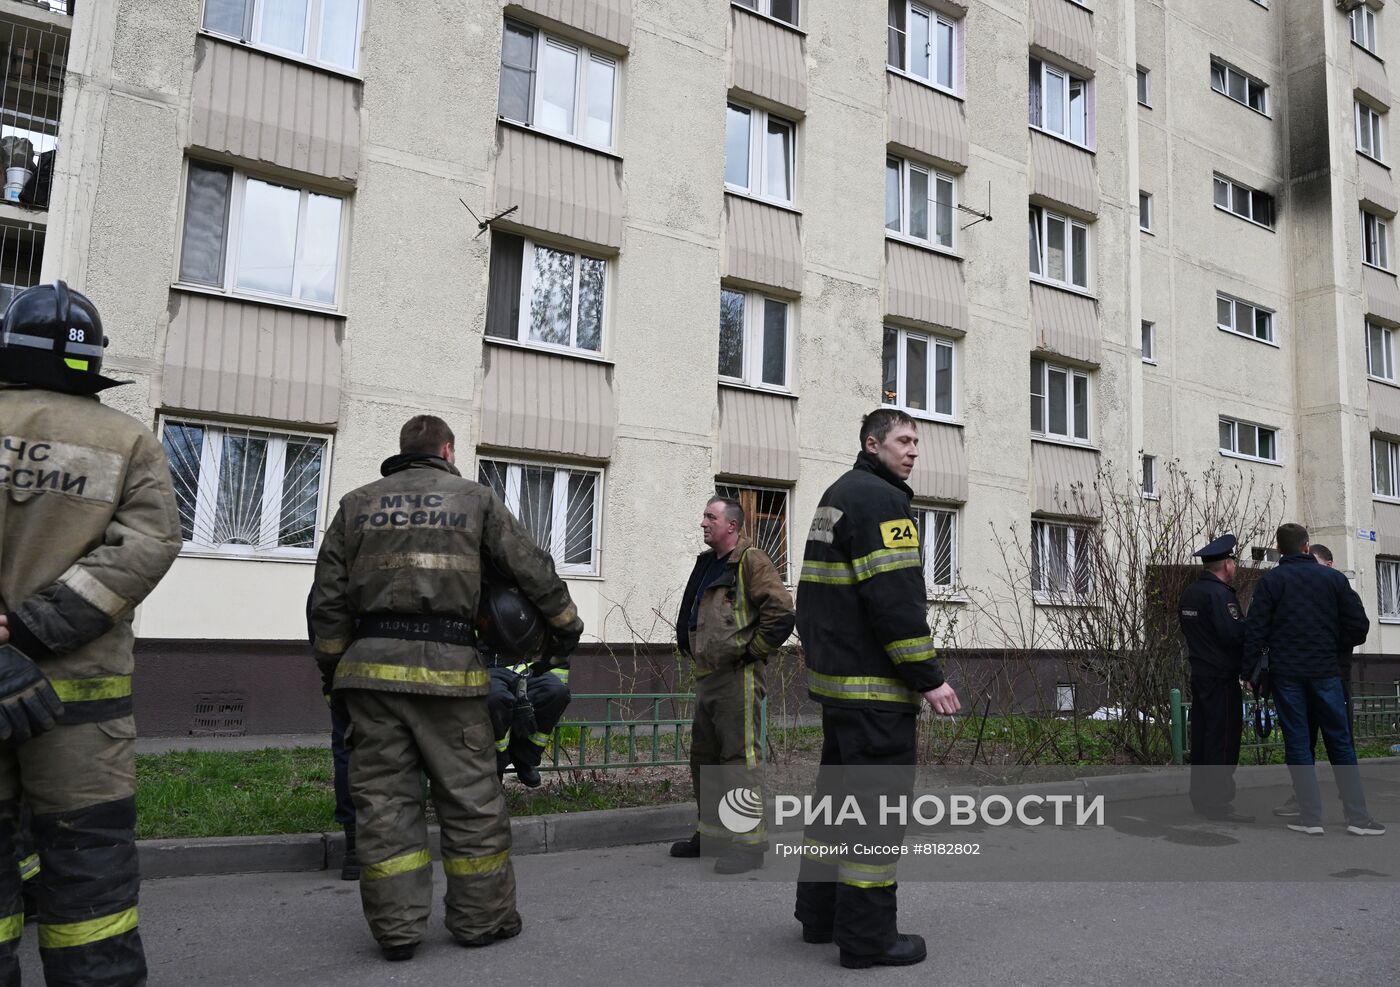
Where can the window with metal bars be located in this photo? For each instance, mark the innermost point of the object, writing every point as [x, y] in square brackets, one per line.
[31, 97]
[21, 257]
[765, 520]
[938, 547]
[560, 507]
[1060, 562]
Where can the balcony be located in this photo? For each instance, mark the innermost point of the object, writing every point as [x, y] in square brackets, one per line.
[33, 60]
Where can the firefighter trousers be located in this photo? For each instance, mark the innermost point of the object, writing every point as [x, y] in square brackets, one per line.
[726, 749]
[394, 739]
[549, 697]
[79, 782]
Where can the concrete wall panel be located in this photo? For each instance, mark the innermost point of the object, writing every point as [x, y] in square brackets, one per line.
[544, 402]
[924, 286]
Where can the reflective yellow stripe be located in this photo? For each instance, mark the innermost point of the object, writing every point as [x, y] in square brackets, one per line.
[911, 649]
[827, 573]
[741, 596]
[562, 674]
[11, 926]
[86, 690]
[750, 750]
[867, 884]
[94, 591]
[75, 363]
[415, 675]
[394, 866]
[504, 743]
[866, 875]
[885, 560]
[474, 866]
[861, 687]
[332, 645]
[83, 933]
[28, 867]
[539, 739]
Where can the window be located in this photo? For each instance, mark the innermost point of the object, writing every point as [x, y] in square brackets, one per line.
[559, 507]
[1064, 697]
[1368, 132]
[1145, 211]
[1059, 248]
[1244, 318]
[921, 43]
[1238, 86]
[1363, 28]
[557, 86]
[1059, 401]
[918, 372]
[1144, 86]
[246, 491]
[1388, 583]
[1243, 201]
[758, 153]
[1375, 240]
[765, 520]
[1248, 440]
[1385, 468]
[1149, 342]
[919, 202]
[1059, 102]
[938, 546]
[753, 339]
[545, 295]
[323, 31]
[247, 236]
[783, 10]
[1061, 565]
[1149, 477]
[1380, 352]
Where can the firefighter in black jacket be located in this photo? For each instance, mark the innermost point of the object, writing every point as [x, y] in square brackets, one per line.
[862, 615]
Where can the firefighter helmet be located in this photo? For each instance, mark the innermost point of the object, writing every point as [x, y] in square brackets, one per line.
[52, 338]
[507, 623]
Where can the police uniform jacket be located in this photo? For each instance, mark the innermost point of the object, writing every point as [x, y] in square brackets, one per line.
[1209, 613]
[744, 615]
[398, 579]
[88, 526]
[862, 610]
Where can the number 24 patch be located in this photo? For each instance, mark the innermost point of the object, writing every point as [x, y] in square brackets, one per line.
[899, 534]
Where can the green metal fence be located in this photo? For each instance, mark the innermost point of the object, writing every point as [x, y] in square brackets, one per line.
[1377, 719]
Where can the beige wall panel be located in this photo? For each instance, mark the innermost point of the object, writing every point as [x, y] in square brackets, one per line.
[923, 120]
[767, 60]
[1057, 471]
[1066, 324]
[757, 435]
[238, 358]
[1065, 31]
[1377, 189]
[1382, 294]
[559, 187]
[924, 286]
[940, 472]
[610, 20]
[268, 109]
[762, 243]
[1385, 407]
[543, 402]
[1370, 76]
[1387, 528]
[1063, 173]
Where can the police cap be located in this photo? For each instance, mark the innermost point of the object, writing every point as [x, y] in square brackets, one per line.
[1222, 548]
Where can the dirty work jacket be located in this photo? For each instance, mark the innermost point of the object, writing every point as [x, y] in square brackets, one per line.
[745, 614]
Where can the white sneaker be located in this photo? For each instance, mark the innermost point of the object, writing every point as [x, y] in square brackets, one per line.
[1306, 828]
[1368, 828]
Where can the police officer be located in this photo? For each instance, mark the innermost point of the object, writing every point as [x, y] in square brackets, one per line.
[862, 615]
[88, 526]
[397, 587]
[1213, 625]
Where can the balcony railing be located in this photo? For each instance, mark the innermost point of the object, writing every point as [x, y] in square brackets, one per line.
[34, 60]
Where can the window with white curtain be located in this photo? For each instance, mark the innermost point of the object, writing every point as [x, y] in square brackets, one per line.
[561, 507]
[922, 42]
[1388, 585]
[919, 202]
[1385, 468]
[326, 32]
[556, 85]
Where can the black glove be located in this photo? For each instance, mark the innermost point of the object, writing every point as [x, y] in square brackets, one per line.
[561, 643]
[28, 704]
[327, 667]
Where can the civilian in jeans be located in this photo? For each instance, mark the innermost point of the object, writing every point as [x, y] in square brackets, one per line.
[1302, 616]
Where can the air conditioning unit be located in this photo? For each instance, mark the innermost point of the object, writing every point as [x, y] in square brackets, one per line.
[1347, 6]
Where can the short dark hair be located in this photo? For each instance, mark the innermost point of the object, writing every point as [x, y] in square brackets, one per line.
[424, 435]
[1322, 552]
[1218, 564]
[733, 510]
[1291, 538]
[879, 422]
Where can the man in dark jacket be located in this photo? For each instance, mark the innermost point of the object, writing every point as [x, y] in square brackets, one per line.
[863, 619]
[1302, 615]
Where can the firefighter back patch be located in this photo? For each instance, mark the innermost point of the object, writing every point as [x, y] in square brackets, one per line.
[899, 534]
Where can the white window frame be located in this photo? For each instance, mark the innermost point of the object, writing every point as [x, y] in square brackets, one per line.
[586, 57]
[527, 283]
[1050, 68]
[1149, 478]
[758, 150]
[1386, 357]
[1387, 451]
[730, 488]
[1144, 87]
[937, 180]
[1370, 132]
[558, 534]
[1233, 326]
[936, 20]
[233, 232]
[1363, 29]
[1388, 590]
[1144, 211]
[1237, 193]
[1375, 240]
[1042, 217]
[312, 33]
[206, 495]
[1075, 538]
[935, 343]
[926, 515]
[1236, 424]
[754, 329]
[1148, 347]
[765, 7]
[1225, 70]
[1072, 375]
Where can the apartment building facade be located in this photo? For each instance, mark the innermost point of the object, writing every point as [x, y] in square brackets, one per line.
[634, 252]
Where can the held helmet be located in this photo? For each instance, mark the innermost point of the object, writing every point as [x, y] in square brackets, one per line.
[507, 623]
[52, 338]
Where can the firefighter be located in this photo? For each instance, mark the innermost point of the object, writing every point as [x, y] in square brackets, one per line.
[734, 613]
[397, 586]
[862, 616]
[89, 524]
